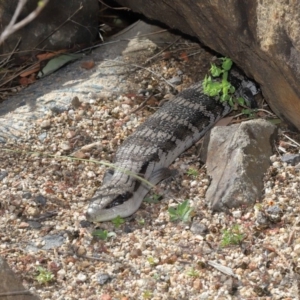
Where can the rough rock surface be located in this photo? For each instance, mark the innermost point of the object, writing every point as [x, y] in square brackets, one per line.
[262, 37]
[47, 31]
[11, 286]
[238, 156]
[57, 91]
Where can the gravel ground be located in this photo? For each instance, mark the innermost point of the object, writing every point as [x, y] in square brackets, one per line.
[43, 201]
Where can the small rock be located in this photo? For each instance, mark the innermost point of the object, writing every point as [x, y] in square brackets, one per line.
[90, 174]
[193, 183]
[75, 102]
[70, 134]
[23, 225]
[65, 146]
[3, 174]
[52, 241]
[274, 213]
[135, 253]
[81, 251]
[127, 229]
[262, 220]
[197, 285]
[199, 228]
[32, 211]
[57, 109]
[40, 200]
[79, 154]
[42, 136]
[297, 249]
[175, 80]
[103, 278]
[237, 214]
[291, 159]
[81, 277]
[46, 124]
[34, 224]
[61, 274]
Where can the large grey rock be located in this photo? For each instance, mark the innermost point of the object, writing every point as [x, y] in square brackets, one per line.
[51, 30]
[238, 156]
[11, 286]
[262, 37]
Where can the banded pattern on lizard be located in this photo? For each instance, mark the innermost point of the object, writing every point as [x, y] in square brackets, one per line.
[155, 144]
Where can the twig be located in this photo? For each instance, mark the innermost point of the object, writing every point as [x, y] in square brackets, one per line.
[142, 104]
[115, 8]
[25, 292]
[160, 52]
[13, 26]
[291, 139]
[257, 110]
[292, 234]
[6, 60]
[57, 28]
[97, 258]
[141, 67]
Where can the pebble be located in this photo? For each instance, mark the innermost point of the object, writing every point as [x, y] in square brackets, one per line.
[32, 211]
[193, 183]
[3, 174]
[237, 214]
[65, 146]
[81, 277]
[103, 278]
[45, 124]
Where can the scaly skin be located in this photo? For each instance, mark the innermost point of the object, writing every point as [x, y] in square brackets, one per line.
[152, 148]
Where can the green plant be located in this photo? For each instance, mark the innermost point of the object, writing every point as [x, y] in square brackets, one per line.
[222, 89]
[232, 236]
[192, 172]
[118, 221]
[155, 198]
[44, 276]
[141, 221]
[193, 273]
[103, 234]
[152, 261]
[181, 212]
[249, 112]
[147, 294]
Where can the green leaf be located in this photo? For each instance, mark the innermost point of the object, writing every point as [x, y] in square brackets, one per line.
[232, 236]
[241, 101]
[118, 221]
[275, 121]
[101, 234]
[230, 102]
[44, 276]
[214, 88]
[227, 63]
[215, 71]
[57, 62]
[232, 89]
[224, 98]
[192, 172]
[181, 212]
[154, 199]
[248, 112]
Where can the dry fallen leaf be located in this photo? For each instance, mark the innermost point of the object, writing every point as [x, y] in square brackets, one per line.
[87, 64]
[27, 80]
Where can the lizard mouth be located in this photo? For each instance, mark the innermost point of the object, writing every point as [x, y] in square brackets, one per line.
[100, 213]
